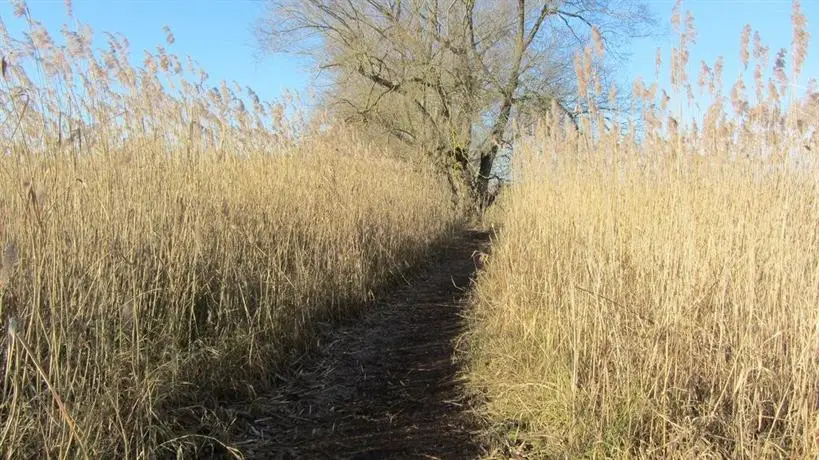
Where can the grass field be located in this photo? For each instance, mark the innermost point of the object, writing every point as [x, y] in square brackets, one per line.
[165, 245]
[656, 294]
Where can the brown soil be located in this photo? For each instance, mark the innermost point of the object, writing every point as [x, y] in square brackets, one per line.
[383, 386]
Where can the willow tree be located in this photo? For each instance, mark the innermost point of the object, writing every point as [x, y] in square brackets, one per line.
[449, 76]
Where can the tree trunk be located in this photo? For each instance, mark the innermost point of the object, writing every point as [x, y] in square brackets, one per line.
[461, 182]
[484, 176]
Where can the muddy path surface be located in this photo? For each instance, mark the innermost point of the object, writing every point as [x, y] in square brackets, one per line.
[383, 386]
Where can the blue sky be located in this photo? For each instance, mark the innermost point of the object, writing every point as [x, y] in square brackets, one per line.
[719, 24]
[219, 34]
[216, 33]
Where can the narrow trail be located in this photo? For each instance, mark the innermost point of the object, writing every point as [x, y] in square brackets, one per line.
[383, 387]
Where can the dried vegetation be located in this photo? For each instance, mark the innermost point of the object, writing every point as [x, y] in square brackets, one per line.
[652, 291]
[167, 245]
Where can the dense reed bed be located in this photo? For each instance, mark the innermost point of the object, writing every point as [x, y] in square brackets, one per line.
[653, 288]
[167, 246]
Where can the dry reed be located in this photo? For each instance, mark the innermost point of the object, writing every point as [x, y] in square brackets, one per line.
[653, 288]
[167, 246]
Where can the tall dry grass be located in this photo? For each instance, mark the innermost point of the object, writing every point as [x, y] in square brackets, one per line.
[167, 246]
[654, 292]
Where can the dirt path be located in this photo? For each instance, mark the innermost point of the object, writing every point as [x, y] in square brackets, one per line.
[384, 387]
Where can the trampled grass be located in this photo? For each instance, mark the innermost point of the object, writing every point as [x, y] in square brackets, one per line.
[166, 245]
[655, 294]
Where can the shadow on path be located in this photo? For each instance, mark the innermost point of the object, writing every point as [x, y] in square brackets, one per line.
[383, 387]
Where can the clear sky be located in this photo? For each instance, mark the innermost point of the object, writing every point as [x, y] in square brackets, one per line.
[219, 34]
[719, 25]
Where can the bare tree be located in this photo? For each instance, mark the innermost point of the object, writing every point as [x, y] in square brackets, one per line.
[448, 76]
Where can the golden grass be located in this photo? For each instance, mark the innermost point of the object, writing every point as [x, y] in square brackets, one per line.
[655, 316]
[656, 295]
[166, 246]
[144, 284]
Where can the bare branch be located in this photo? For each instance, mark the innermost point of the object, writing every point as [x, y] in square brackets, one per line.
[449, 76]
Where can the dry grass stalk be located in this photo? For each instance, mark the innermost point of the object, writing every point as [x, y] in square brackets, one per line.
[191, 241]
[656, 297]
